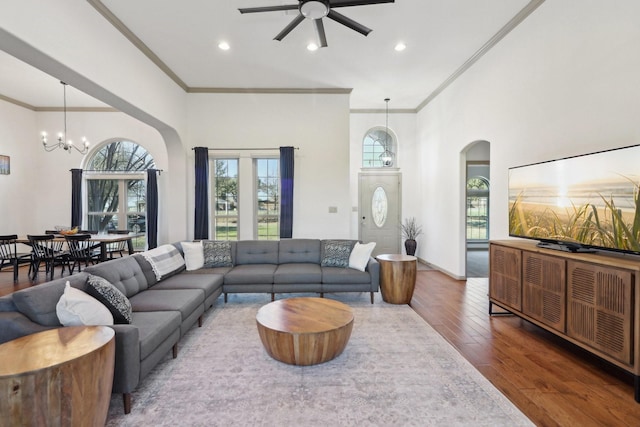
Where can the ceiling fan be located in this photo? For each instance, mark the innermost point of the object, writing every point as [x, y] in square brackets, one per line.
[316, 10]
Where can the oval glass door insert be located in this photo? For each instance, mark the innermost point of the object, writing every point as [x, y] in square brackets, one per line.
[379, 206]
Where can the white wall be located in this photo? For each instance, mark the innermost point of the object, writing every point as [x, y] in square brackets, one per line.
[316, 123]
[562, 83]
[39, 187]
[18, 188]
[71, 41]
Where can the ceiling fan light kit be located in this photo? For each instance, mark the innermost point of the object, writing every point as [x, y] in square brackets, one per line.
[316, 10]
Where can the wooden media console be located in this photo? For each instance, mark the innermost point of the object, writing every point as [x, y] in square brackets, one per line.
[589, 299]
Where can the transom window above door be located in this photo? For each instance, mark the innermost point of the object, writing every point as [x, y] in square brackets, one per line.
[378, 149]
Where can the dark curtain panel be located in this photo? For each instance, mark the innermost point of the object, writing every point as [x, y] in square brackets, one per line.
[286, 192]
[76, 198]
[152, 208]
[201, 228]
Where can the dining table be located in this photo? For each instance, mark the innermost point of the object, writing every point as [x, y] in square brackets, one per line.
[101, 240]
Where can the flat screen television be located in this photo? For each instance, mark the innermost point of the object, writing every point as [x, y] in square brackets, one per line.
[581, 203]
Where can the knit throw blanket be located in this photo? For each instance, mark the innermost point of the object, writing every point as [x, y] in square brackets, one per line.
[165, 260]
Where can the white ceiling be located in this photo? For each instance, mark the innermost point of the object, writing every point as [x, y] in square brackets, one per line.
[441, 35]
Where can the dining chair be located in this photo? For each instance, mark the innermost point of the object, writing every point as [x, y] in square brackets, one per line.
[117, 247]
[81, 250]
[45, 249]
[9, 254]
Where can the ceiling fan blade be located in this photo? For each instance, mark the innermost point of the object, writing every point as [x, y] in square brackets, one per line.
[322, 37]
[268, 8]
[346, 3]
[348, 22]
[297, 20]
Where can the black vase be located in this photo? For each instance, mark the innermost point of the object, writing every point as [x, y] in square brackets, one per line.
[410, 246]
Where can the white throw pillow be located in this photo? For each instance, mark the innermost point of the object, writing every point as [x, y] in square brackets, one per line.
[193, 255]
[359, 257]
[77, 308]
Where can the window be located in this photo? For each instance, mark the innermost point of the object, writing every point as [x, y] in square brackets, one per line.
[374, 145]
[267, 173]
[477, 208]
[225, 190]
[116, 189]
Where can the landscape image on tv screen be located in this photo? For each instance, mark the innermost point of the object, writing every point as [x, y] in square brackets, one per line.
[589, 200]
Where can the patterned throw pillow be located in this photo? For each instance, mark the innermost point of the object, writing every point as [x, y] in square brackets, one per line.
[111, 297]
[335, 253]
[217, 253]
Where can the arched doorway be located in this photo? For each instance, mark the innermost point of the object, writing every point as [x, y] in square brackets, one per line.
[476, 208]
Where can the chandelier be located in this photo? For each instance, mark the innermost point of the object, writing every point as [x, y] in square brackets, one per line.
[62, 141]
[387, 155]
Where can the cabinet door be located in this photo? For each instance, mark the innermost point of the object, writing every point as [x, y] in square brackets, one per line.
[505, 279]
[544, 289]
[599, 308]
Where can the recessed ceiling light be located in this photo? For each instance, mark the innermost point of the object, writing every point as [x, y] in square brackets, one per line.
[224, 46]
[312, 47]
[400, 47]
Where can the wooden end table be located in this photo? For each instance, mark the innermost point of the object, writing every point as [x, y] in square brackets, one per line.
[59, 377]
[304, 331]
[397, 277]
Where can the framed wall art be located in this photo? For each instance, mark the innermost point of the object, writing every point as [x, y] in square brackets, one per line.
[5, 165]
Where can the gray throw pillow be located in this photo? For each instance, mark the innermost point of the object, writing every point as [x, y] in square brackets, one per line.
[217, 253]
[117, 303]
[335, 253]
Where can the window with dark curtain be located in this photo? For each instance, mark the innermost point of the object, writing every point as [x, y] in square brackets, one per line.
[152, 208]
[286, 192]
[76, 197]
[201, 219]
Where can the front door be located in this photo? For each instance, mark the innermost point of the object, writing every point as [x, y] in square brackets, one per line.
[379, 213]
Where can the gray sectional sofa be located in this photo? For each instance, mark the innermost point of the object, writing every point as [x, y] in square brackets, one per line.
[162, 311]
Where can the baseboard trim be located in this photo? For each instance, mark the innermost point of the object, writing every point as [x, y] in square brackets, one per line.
[442, 270]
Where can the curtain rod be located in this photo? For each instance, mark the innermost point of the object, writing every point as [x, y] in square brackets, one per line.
[243, 149]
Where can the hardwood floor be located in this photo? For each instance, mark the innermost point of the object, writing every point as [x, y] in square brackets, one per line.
[553, 382]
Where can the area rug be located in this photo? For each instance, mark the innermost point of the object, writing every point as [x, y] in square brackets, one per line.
[395, 371]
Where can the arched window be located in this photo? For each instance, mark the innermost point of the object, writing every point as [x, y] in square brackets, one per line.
[116, 188]
[477, 208]
[378, 149]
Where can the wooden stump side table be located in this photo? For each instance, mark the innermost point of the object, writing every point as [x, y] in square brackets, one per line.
[59, 377]
[304, 331]
[397, 277]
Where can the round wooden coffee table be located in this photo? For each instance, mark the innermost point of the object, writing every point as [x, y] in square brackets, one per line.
[304, 331]
[59, 377]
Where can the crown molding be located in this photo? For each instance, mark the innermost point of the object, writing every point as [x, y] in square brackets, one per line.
[18, 103]
[330, 91]
[514, 22]
[77, 109]
[58, 109]
[383, 111]
[135, 40]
